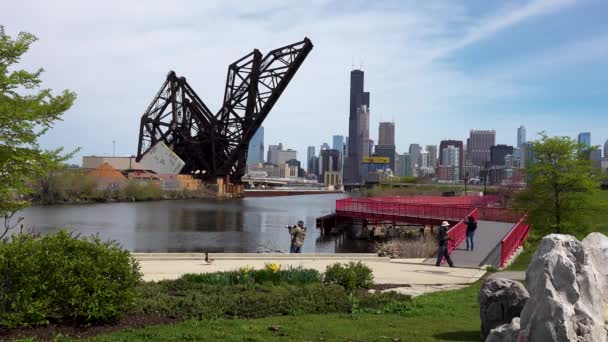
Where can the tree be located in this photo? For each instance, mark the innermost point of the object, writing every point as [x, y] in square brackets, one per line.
[561, 184]
[26, 113]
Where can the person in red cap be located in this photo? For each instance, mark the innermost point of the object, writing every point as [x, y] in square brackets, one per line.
[443, 239]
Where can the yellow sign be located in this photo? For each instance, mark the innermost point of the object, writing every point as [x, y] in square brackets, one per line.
[376, 160]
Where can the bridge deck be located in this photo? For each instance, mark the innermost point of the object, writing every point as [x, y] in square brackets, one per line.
[487, 245]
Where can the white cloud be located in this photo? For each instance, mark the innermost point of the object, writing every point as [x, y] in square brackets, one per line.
[115, 55]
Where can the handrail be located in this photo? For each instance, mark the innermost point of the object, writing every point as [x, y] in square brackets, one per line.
[513, 240]
[458, 232]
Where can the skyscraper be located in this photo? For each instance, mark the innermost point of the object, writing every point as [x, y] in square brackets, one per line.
[606, 149]
[521, 136]
[386, 143]
[324, 146]
[457, 144]
[273, 153]
[481, 141]
[432, 150]
[338, 143]
[359, 111]
[255, 152]
[405, 165]
[386, 133]
[309, 159]
[498, 154]
[584, 139]
[415, 150]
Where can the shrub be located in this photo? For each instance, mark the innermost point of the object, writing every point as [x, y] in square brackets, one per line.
[350, 276]
[271, 274]
[192, 300]
[63, 277]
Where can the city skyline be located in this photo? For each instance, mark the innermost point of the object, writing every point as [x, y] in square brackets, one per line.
[454, 66]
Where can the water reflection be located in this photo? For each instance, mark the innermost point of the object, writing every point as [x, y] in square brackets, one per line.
[242, 225]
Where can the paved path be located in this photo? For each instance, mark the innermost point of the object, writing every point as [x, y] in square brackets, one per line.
[512, 275]
[487, 245]
[403, 271]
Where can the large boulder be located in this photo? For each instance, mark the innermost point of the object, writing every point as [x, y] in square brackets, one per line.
[505, 333]
[500, 300]
[596, 246]
[564, 290]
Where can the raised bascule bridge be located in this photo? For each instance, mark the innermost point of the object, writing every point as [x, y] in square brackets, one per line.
[178, 132]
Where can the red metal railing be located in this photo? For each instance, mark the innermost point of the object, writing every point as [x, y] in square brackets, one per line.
[458, 232]
[513, 240]
[365, 208]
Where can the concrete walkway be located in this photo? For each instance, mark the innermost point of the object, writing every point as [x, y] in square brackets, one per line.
[487, 246]
[158, 266]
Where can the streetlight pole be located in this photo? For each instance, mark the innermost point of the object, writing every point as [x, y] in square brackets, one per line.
[466, 177]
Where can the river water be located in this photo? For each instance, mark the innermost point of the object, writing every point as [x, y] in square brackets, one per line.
[236, 225]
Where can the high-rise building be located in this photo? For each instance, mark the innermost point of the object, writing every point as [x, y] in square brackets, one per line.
[459, 145]
[432, 150]
[358, 139]
[273, 153]
[325, 146]
[596, 157]
[606, 149]
[330, 162]
[480, 144]
[521, 136]
[386, 143]
[338, 143]
[498, 154]
[424, 159]
[386, 133]
[284, 155]
[584, 139]
[449, 169]
[309, 155]
[414, 151]
[255, 152]
[405, 165]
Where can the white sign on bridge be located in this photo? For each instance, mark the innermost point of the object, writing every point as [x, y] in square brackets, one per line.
[161, 159]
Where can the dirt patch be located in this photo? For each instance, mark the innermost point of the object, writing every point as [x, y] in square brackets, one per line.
[48, 332]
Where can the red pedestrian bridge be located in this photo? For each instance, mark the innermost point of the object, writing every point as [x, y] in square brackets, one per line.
[500, 231]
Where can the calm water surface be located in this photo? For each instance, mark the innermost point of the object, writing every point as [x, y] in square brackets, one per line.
[239, 225]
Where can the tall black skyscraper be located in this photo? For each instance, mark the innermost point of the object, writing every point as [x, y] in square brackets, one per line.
[359, 103]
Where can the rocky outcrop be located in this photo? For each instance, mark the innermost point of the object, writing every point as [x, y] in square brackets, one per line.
[505, 333]
[567, 281]
[500, 300]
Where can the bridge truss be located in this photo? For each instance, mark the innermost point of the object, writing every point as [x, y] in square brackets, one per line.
[215, 145]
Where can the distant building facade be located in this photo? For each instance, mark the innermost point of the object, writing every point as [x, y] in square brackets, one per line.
[432, 150]
[255, 152]
[584, 138]
[358, 128]
[521, 136]
[498, 154]
[309, 159]
[457, 144]
[481, 142]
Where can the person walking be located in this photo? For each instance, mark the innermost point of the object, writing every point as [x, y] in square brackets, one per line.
[443, 239]
[298, 234]
[471, 227]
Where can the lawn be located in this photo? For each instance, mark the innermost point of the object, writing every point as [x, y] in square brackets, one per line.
[440, 316]
[598, 222]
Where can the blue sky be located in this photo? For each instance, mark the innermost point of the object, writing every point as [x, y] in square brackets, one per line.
[437, 68]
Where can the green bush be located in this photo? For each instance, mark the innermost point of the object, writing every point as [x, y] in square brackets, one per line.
[249, 276]
[194, 300]
[59, 276]
[350, 276]
[141, 191]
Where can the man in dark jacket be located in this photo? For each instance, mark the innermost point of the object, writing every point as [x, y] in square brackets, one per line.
[443, 239]
[471, 227]
[298, 234]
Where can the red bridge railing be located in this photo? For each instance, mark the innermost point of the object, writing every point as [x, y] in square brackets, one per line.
[365, 208]
[513, 240]
[458, 232]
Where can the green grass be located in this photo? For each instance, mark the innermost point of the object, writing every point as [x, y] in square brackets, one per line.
[440, 316]
[598, 222]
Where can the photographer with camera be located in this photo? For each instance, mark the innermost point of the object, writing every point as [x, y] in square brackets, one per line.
[298, 234]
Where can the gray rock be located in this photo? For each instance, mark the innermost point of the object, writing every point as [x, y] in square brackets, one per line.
[564, 291]
[596, 246]
[505, 333]
[500, 300]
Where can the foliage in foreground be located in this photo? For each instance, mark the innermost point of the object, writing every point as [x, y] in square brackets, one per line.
[440, 316]
[26, 113]
[351, 276]
[561, 187]
[59, 276]
[272, 274]
[189, 299]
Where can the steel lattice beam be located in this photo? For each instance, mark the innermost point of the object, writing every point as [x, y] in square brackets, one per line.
[216, 145]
